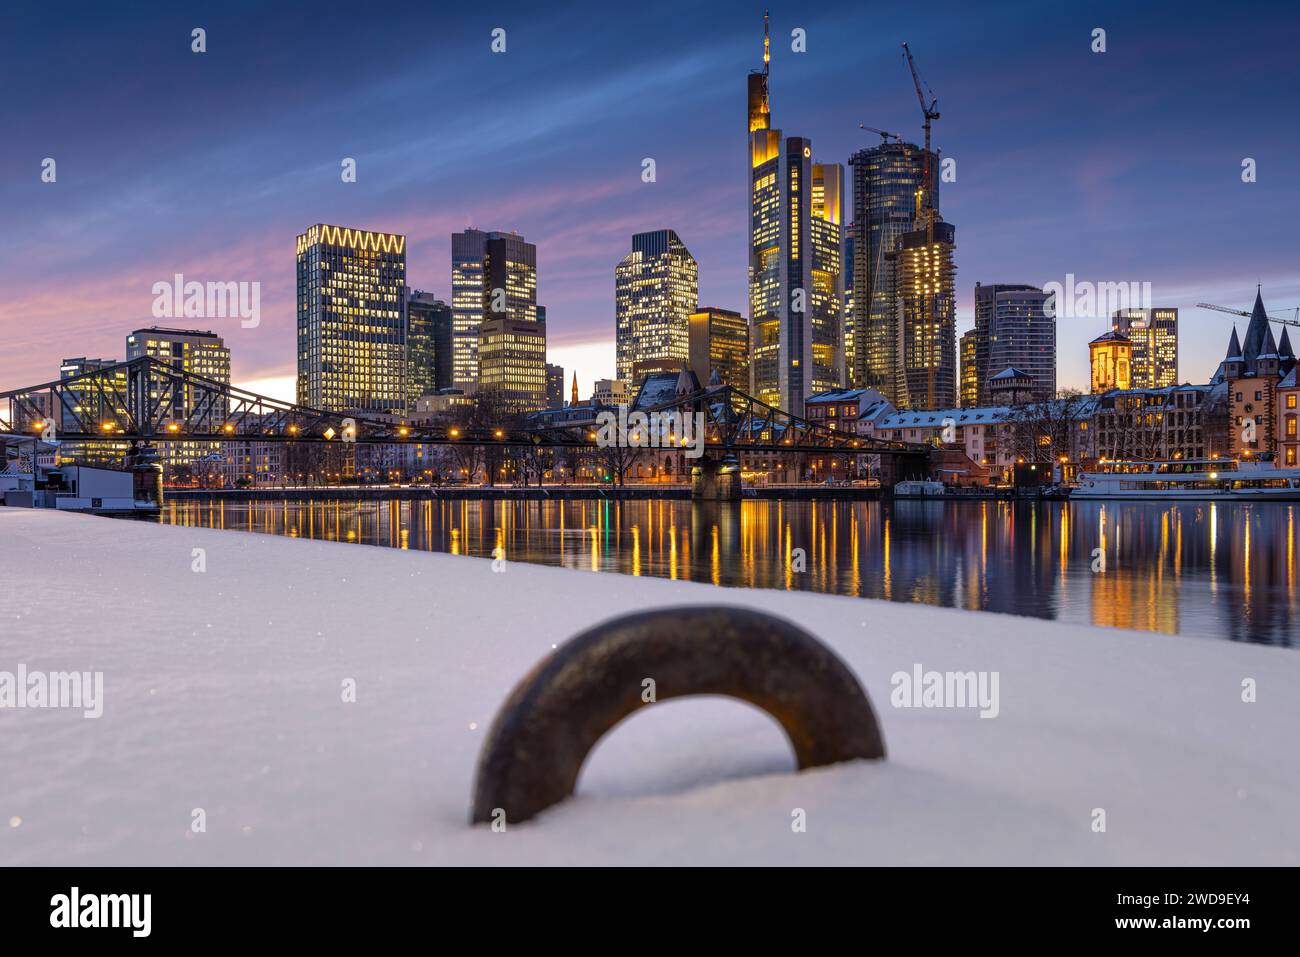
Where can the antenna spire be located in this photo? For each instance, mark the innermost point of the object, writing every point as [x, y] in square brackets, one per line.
[767, 45]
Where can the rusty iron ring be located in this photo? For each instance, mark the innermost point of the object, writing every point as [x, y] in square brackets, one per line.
[556, 714]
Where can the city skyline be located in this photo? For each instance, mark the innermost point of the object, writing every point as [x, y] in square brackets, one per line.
[82, 253]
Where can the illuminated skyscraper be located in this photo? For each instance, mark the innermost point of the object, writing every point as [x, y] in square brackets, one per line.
[512, 336]
[199, 353]
[97, 401]
[467, 250]
[886, 180]
[656, 288]
[352, 319]
[968, 390]
[850, 337]
[428, 345]
[1154, 334]
[185, 350]
[927, 321]
[795, 269]
[720, 344]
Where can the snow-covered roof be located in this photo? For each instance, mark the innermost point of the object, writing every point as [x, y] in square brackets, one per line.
[1011, 372]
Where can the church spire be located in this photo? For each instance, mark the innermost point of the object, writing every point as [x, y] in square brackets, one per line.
[574, 399]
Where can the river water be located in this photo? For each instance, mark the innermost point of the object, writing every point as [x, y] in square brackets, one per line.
[1209, 570]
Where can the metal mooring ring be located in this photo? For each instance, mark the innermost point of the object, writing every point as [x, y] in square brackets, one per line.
[557, 713]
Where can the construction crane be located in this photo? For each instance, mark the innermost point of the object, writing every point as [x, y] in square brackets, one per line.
[883, 134]
[931, 114]
[1240, 312]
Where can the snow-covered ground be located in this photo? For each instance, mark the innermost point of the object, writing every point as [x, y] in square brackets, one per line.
[222, 692]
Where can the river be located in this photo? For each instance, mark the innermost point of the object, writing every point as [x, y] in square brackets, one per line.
[1209, 570]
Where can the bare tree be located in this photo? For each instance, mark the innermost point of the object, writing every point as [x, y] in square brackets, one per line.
[1042, 430]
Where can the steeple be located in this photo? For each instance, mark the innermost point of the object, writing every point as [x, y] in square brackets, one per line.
[574, 398]
[1234, 345]
[1259, 337]
[1270, 344]
[1284, 346]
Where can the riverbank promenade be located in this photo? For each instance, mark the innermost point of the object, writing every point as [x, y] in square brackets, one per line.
[315, 702]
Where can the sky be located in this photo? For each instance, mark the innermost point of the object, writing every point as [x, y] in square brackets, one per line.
[1121, 166]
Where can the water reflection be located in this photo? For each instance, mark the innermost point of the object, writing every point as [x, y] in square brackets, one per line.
[1206, 569]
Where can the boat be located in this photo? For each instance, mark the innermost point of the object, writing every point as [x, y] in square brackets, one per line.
[913, 488]
[1193, 479]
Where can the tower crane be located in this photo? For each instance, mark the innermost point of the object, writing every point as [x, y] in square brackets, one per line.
[930, 114]
[1240, 312]
[883, 134]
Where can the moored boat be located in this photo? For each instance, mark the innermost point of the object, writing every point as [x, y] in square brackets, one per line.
[1194, 479]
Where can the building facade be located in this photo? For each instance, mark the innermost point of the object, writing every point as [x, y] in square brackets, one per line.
[352, 319]
[1110, 359]
[91, 405]
[968, 390]
[886, 180]
[924, 275]
[611, 392]
[467, 251]
[1154, 334]
[1253, 373]
[428, 340]
[1176, 422]
[719, 344]
[1288, 421]
[796, 294]
[554, 386]
[512, 336]
[1012, 329]
[200, 353]
[656, 288]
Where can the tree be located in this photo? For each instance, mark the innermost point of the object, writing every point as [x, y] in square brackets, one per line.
[1042, 430]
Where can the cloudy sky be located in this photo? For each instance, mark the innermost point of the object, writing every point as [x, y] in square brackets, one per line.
[1116, 166]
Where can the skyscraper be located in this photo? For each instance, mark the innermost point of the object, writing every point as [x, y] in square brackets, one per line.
[99, 400]
[428, 345]
[1154, 334]
[199, 353]
[848, 327]
[351, 319]
[512, 336]
[927, 319]
[656, 288]
[886, 180]
[968, 389]
[467, 251]
[185, 350]
[554, 386]
[795, 269]
[720, 344]
[1013, 330]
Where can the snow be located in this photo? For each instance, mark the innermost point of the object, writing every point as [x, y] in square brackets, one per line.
[222, 691]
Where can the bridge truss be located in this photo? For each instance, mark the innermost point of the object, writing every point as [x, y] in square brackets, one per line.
[147, 399]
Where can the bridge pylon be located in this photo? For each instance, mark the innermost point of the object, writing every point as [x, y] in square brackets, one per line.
[716, 479]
